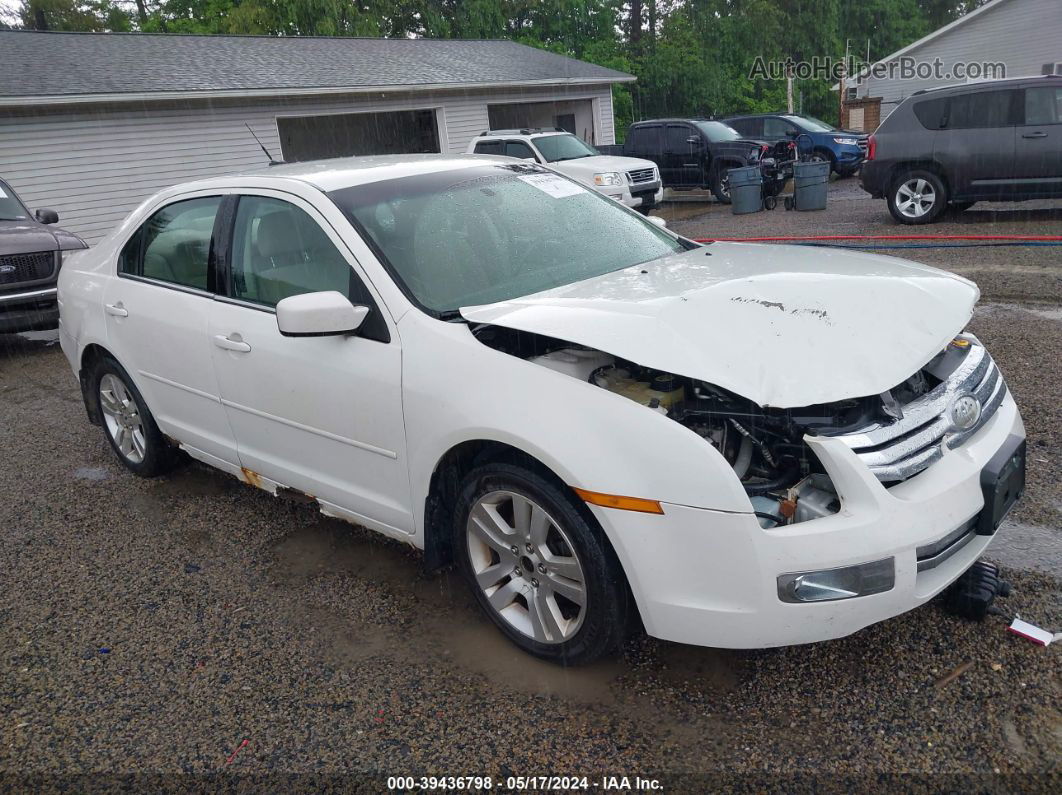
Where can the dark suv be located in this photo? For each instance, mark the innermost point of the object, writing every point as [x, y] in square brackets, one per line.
[844, 149]
[30, 256]
[994, 141]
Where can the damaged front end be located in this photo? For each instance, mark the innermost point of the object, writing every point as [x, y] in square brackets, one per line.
[897, 434]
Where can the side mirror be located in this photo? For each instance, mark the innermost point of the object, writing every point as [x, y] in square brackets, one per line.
[319, 315]
[46, 216]
[791, 133]
[657, 221]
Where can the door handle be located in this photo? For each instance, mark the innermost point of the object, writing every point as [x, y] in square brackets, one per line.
[229, 344]
[1034, 135]
[116, 309]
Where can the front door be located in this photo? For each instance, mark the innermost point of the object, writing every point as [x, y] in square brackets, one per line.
[1038, 155]
[322, 415]
[157, 312]
[683, 153]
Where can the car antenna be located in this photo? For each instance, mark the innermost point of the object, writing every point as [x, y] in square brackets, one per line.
[272, 162]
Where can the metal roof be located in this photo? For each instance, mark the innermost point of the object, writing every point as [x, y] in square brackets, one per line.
[54, 67]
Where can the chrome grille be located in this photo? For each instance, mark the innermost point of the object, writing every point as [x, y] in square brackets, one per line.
[863, 146]
[905, 447]
[640, 175]
[15, 268]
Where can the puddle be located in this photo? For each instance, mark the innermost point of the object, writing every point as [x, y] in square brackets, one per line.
[1046, 312]
[447, 626]
[91, 473]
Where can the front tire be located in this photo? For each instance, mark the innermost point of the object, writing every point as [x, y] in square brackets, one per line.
[127, 423]
[538, 565]
[917, 197]
[720, 183]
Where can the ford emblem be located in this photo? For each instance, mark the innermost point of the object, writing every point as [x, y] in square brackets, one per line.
[964, 413]
[6, 269]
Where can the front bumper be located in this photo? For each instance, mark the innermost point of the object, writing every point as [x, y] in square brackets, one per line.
[647, 194]
[29, 310]
[710, 578]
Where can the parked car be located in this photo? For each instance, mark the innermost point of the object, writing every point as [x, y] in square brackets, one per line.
[691, 153]
[746, 445]
[818, 140]
[30, 257]
[628, 180]
[994, 141]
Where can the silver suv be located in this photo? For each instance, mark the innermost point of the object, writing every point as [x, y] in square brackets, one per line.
[992, 141]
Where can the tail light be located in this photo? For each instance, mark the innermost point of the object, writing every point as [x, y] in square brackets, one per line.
[872, 147]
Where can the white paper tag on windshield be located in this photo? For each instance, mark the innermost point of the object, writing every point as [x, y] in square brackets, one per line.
[555, 186]
[2, 194]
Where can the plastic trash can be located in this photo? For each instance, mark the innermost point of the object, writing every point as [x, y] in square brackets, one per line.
[745, 190]
[810, 181]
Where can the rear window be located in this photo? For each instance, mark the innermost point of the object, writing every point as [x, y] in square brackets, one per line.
[647, 139]
[489, 148]
[980, 110]
[930, 112]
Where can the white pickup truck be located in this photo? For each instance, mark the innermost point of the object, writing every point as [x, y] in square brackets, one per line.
[630, 181]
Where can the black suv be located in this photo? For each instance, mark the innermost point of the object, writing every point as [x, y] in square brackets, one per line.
[30, 256]
[690, 153]
[994, 141]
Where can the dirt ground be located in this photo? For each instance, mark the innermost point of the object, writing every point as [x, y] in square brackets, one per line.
[191, 631]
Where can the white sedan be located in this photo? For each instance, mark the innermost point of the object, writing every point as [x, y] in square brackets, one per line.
[596, 420]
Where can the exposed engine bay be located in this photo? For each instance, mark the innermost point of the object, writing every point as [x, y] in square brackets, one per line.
[783, 478]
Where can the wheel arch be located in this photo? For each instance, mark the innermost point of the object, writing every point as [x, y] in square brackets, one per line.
[927, 165]
[91, 355]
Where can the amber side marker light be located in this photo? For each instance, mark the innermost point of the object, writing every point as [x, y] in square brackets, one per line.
[623, 503]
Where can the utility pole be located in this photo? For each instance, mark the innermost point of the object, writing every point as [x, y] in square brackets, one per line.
[840, 85]
[789, 88]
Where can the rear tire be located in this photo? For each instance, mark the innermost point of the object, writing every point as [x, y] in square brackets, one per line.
[720, 183]
[561, 595]
[127, 423]
[917, 197]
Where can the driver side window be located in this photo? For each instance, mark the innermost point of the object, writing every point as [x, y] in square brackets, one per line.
[279, 251]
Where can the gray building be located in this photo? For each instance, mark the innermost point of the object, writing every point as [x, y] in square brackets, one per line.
[1024, 35]
[91, 124]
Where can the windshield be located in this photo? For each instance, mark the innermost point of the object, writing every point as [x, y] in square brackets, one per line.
[811, 124]
[11, 208]
[496, 232]
[563, 147]
[717, 131]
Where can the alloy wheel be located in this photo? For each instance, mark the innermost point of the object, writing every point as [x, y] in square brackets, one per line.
[122, 418]
[526, 566]
[915, 198]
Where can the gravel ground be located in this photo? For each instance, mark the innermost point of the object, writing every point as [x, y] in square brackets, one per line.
[149, 628]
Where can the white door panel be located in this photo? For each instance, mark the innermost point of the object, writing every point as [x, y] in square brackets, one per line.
[319, 414]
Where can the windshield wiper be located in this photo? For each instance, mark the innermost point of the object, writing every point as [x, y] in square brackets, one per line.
[450, 315]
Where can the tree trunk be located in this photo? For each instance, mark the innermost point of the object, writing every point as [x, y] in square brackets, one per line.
[652, 23]
[141, 11]
[40, 22]
[635, 33]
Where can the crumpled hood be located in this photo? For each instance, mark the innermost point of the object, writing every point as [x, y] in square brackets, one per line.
[783, 326]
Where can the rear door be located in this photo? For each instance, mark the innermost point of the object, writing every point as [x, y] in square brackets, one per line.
[683, 153]
[1038, 156]
[976, 144]
[157, 311]
[647, 142]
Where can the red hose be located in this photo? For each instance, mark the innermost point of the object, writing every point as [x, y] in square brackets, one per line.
[1039, 238]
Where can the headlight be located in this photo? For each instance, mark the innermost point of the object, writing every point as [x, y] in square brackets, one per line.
[846, 141]
[608, 179]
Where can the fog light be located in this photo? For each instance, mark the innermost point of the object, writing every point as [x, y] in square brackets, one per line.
[843, 583]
